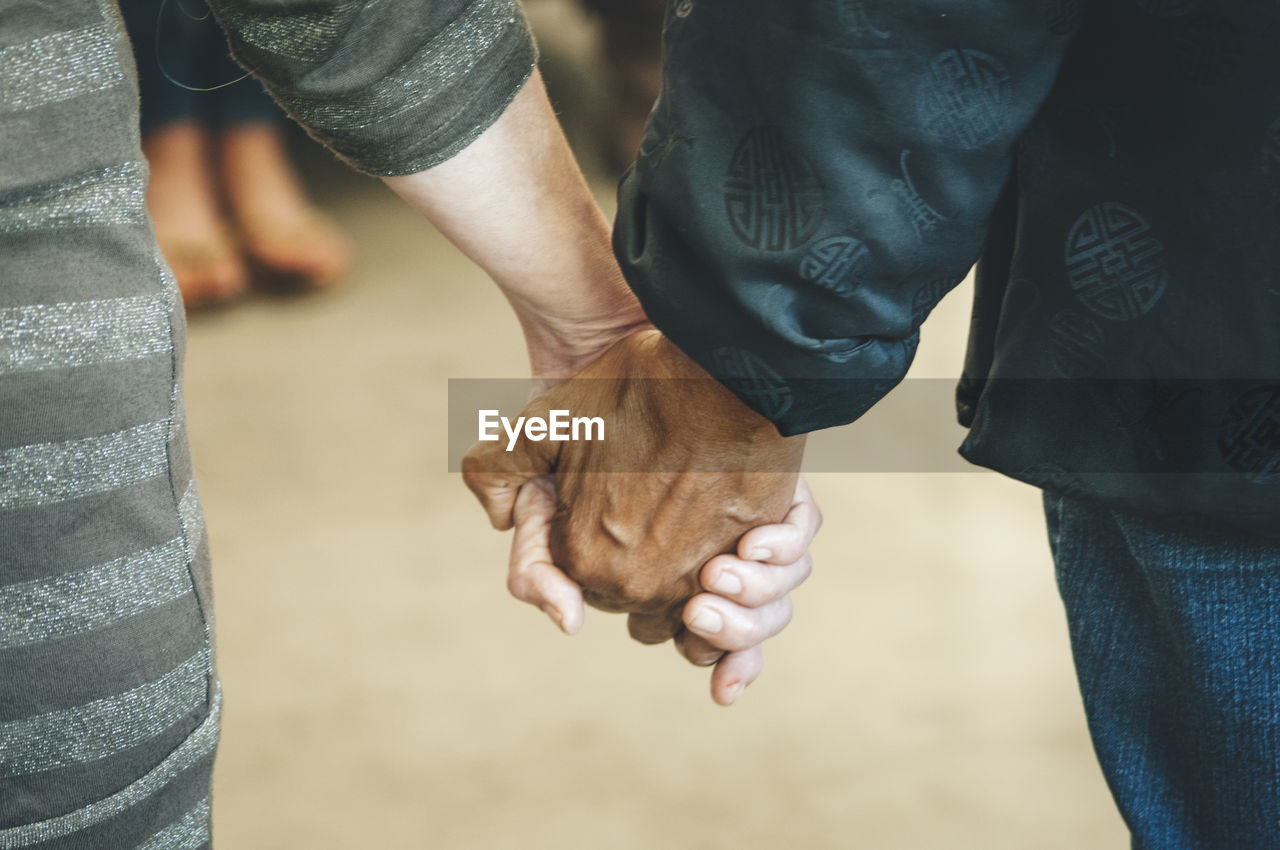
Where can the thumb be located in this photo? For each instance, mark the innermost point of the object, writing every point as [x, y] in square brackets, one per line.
[495, 470]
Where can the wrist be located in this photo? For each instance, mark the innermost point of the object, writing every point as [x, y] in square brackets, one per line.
[558, 351]
[676, 384]
[726, 417]
[566, 334]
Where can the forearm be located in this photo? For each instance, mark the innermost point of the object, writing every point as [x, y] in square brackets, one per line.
[515, 202]
[443, 95]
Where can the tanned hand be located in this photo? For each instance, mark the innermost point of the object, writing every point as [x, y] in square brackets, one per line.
[684, 470]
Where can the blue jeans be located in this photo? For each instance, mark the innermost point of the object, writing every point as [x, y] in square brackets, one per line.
[1176, 637]
[179, 40]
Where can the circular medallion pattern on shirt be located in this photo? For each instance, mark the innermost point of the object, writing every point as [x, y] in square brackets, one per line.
[773, 196]
[752, 379]
[1076, 345]
[1250, 438]
[1116, 262]
[835, 263]
[964, 98]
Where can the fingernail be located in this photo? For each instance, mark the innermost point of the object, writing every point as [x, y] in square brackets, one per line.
[727, 583]
[735, 691]
[707, 620]
[760, 554]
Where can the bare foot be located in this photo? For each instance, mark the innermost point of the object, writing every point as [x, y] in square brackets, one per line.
[280, 228]
[183, 200]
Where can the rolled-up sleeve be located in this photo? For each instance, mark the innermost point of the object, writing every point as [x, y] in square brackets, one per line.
[817, 174]
[391, 86]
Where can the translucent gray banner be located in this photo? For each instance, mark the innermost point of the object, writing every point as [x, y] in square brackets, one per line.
[1104, 426]
[914, 429]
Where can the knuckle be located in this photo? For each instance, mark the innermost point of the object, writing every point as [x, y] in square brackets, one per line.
[691, 608]
[622, 587]
[630, 587]
[788, 610]
[775, 590]
[718, 563]
[756, 633]
[646, 630]
[697, 651]
[518, 585]
[755, 591]
[638, 586]
[710, 574]
[761, 586]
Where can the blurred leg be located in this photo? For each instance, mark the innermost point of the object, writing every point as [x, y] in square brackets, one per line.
[179, 49]
[185, 203]
[167, 48]
[292, 244]
[1176, 637]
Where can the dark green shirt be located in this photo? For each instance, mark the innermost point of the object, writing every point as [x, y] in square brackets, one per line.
[818, 173]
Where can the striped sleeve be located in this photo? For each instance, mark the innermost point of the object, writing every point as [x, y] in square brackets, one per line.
[393, 87]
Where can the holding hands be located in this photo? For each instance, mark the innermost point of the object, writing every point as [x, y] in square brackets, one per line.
[689, 516]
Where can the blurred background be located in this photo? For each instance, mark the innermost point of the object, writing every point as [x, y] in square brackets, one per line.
[382, 690]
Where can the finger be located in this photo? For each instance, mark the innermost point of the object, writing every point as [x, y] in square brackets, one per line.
[496, 470]
[732, 627]
[752, 584]
[734, 672]
[786, 541]
[654, 628]
[696, 650]
[543, 584]
[532, 576]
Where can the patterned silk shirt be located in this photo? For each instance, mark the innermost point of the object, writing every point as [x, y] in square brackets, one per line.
[817, 174]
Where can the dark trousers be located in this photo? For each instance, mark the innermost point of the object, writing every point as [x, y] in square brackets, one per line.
[179, 47]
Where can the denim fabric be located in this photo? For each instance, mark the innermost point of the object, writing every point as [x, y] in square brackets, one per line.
[180, 38]
[1176, 636]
